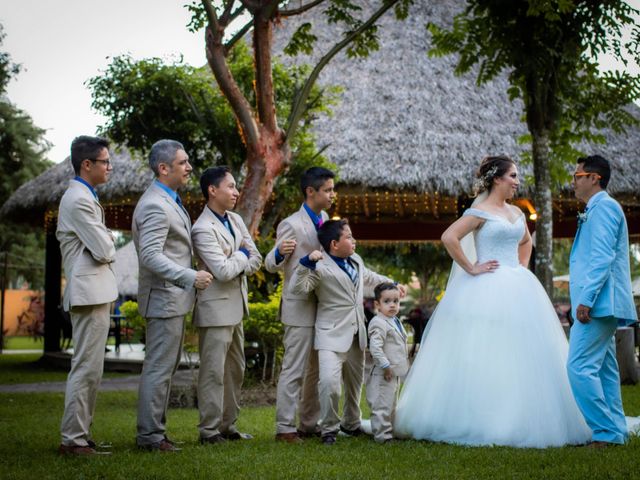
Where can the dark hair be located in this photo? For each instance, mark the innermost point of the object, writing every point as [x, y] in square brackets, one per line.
[599, 165]
[163, 151]
[491, 167]
[329, 231]
[383, 287]
[212, 176]
[85, 147]
[315, 178]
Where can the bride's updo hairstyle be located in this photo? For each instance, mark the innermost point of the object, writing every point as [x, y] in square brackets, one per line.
[491, 167]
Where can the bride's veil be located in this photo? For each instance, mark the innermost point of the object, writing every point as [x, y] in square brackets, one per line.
[467, 243]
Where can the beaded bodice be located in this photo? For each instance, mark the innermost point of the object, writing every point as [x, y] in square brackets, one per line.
[498, 238]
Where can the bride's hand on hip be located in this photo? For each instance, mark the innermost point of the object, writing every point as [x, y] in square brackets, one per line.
[486, 267]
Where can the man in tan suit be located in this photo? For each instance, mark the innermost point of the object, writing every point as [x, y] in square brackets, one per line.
[166, 286]
[87, 253]
[223, 247]
[338, 278]
[388, 347]
[298, 381]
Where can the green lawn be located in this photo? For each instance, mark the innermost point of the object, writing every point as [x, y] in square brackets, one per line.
[29, 426]
[26, 368]
[23, 343]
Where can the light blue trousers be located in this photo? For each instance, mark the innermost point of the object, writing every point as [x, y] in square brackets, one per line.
[595, 380]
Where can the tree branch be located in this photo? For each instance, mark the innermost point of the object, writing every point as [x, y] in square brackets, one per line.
[297, 11]
[216, 57]
[226, 14]
[299, 104]
[237, 36]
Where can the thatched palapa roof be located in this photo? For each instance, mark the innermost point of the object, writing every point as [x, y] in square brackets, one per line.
[405, 121]
[407, 136]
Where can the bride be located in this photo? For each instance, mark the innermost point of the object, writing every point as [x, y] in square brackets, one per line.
[491, 368]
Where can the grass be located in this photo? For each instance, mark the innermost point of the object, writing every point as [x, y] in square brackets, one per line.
[29, 436]
[23, 343]
[26, 368]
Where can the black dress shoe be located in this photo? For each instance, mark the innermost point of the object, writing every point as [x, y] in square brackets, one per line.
[101, 445]
[352, 433]
[303, 434]
[217, 438]
[237, 436]
[329, 439]
[164, 445]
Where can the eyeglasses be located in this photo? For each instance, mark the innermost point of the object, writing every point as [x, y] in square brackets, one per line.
[584, 174]
[106, 162]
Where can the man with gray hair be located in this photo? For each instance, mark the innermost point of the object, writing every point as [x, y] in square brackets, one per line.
[166, 286]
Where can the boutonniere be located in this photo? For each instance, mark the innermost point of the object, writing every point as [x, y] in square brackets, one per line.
[582, 217]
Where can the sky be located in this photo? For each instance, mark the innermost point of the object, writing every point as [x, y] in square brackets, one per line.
[63, 43]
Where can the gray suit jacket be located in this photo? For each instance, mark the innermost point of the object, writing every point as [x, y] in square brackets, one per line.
[162, 237]
[87, 249]
[295, 309]
[225, 301]
[388, 346]
[340, 311]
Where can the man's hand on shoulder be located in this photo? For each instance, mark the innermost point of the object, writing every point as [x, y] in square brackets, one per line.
[203, 279]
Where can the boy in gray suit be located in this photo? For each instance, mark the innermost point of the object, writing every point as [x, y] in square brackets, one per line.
[388, 347]
[87, 252]
[338, 278]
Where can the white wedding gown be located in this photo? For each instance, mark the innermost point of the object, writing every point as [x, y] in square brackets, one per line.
[491, 368]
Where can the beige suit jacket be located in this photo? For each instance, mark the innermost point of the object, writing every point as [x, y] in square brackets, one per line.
[162, 237]
[87, 249]
[340, 313]
[297, 310]
[225, 301]
[388, 346]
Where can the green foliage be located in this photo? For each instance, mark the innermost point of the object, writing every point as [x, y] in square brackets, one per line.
[550, 49]
[22, 157]
[131, 313]
[428, 261]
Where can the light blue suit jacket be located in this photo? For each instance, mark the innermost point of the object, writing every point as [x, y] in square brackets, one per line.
[599, 262]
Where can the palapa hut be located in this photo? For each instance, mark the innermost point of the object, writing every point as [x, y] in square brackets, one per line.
[407, 137]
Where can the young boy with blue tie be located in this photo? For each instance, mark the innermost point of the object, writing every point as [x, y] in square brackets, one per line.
[337, 277]
[388, 347]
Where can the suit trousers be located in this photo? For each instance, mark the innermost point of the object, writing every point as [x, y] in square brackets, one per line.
[298, 382]
[382, 396]
[595, 380]
[90, 331]
[163, 350]
[220, 378]
[335, 368]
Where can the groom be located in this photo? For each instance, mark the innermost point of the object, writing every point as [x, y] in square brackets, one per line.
[600, 288]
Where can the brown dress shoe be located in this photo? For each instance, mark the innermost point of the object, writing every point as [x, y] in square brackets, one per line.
[79, 450]
[303, 434]
[163, 445]
[291, 437]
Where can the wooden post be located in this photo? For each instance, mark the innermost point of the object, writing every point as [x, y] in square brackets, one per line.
[52, 275]
[3, 289]
[626, 356]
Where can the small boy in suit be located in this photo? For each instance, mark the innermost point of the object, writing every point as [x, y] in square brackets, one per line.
[388, 347]
[337, 276]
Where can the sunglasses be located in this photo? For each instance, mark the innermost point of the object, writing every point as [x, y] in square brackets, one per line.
[585, 174]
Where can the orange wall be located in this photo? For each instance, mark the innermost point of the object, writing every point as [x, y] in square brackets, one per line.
[17, 302]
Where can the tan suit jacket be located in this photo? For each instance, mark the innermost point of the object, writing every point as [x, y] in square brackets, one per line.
[224, 302]
[162, 236]
[388, 346]
[87, 249]
[298, 310]
[340, 311]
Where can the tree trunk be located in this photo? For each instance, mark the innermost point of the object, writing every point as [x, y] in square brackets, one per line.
[264, 163]
[544, 207]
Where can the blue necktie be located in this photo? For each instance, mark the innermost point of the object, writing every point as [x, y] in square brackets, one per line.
[399, 326]
[178, 200]
[351, 271]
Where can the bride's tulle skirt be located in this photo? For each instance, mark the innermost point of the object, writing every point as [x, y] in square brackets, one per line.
[492, 368]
